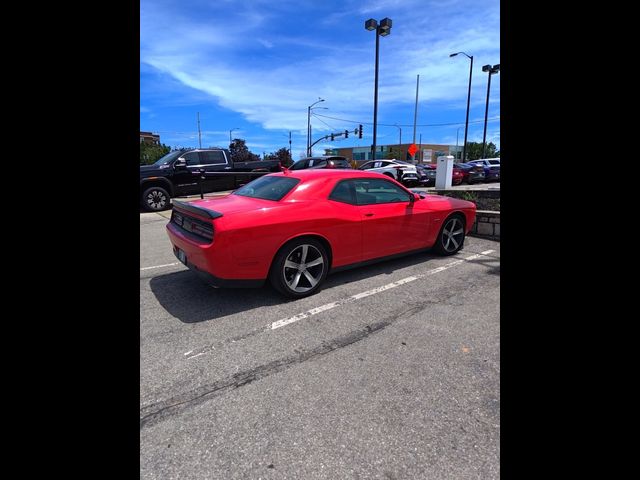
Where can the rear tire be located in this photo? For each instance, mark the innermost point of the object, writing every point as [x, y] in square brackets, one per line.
[451, 236]
[155, 199]
[299, 268]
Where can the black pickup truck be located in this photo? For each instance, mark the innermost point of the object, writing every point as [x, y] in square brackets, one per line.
[186, 172]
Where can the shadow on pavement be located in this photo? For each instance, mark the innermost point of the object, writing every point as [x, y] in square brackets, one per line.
[190, 300]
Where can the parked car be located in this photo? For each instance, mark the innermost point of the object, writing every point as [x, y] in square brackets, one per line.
[186, 172]
[491, 167]
[472, 173]
[403, 172]
[295, 227]
[321, 162]
[426, 174]
[457, 176]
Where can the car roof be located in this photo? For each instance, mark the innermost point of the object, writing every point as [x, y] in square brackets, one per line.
[309, 173]
[325, 157]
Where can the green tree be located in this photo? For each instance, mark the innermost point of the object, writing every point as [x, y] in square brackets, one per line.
[397, 153]
[474, 150]
[149, 153]
[240, 152]
[282, 156]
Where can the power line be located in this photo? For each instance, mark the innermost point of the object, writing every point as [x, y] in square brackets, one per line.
[333, 128]
[404, 125]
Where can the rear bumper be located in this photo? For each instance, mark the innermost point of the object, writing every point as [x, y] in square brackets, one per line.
[218, 282]
[216, 267]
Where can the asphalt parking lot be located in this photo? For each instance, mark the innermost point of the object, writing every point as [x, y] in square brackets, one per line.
[392, 371]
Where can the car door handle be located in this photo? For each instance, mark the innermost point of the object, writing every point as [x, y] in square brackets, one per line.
[368, 214]
[227, 168]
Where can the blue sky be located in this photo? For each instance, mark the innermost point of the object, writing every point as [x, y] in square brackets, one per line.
[256, 65]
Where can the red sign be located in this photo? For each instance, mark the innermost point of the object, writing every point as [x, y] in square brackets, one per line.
[413, 149]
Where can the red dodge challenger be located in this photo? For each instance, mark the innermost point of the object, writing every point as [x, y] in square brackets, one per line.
[295, 227]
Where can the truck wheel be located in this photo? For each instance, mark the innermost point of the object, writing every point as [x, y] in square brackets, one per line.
[155, 199]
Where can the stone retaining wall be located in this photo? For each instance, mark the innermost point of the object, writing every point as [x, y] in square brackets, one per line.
[487, 224]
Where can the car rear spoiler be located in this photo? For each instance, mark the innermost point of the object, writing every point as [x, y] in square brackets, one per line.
[187, 207]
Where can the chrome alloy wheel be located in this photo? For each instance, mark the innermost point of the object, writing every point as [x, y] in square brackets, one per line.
[303, 268]
[452, 234]
[156, 200]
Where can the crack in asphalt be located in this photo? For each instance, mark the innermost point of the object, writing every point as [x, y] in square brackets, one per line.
[161, 410]
[156, 412]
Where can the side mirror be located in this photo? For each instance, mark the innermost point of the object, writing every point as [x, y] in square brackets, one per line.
[180, 163]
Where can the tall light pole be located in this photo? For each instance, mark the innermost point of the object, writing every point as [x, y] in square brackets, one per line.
[466, 122]
[492, 71]
[230, 134]
[309, 125]
[382, 30]
[457, 131]
[399, 128]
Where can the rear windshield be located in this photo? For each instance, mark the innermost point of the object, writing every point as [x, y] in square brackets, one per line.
[268, 188]
[341, 163]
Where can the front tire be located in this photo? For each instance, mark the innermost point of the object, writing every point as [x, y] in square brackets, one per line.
[155, 199]
[299, 268]
[451, 236]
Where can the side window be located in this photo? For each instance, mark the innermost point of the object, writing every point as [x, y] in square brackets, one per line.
[212, 157]
[367, 166]
[343, 192]
[299, 165]
[377, 164]
[378, 191]
[320, 163]
[192, 158]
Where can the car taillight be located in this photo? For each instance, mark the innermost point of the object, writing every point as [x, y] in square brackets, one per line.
[205, 231]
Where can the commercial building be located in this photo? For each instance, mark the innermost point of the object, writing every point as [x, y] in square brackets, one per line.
[427, 153]
[150, 138]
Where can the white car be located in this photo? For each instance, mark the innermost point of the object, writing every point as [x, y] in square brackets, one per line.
[403, 172]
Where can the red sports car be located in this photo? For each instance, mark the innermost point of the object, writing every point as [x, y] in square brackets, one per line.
[295, 227]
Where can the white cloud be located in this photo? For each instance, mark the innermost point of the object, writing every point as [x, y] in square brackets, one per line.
[221, 59]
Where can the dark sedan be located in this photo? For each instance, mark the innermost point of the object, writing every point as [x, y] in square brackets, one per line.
[426, 174]
[471, 172]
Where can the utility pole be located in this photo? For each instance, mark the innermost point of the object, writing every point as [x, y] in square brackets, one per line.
[290, 145]
[415, 118]
[199, 134]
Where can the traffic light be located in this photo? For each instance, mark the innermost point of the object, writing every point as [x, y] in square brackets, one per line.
[346, 134]
[332, 137]
[360, 131]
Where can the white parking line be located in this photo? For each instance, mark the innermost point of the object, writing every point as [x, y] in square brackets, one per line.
[160, 266]
[358, 296]
[328, 306]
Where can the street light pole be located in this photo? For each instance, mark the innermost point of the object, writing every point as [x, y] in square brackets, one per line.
[230, 134]
[466, 123]
[399, 128]
[492, 71]
[309, 125]
[382, 30]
